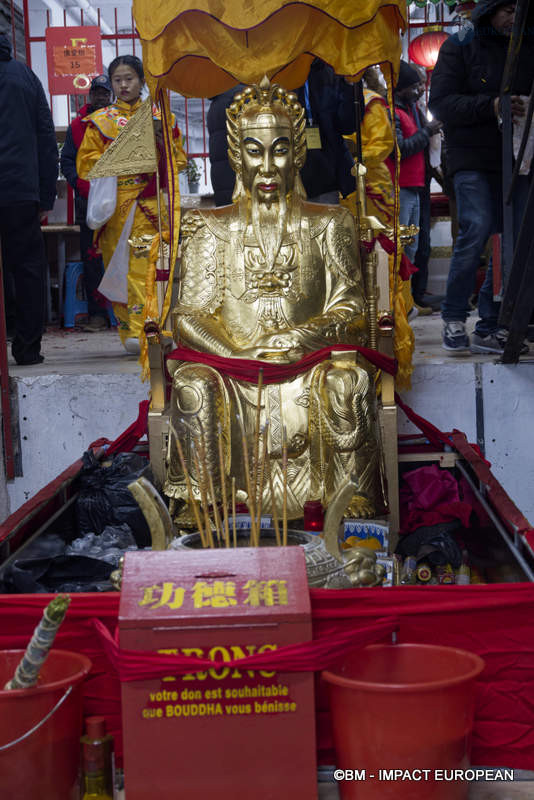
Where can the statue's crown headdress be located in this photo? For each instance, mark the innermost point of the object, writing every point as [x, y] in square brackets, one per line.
[264, 100]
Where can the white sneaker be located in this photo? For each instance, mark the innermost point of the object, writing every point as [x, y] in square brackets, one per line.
[494, 343]
[131, 345]
[455, 338]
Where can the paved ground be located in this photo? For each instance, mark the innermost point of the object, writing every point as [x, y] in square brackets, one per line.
[73, 352]
[428, 349]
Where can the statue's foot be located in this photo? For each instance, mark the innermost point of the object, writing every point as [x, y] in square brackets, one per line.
[360, 507]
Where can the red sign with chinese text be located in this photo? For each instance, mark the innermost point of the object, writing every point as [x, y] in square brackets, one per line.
[219, 730]
[74, 58]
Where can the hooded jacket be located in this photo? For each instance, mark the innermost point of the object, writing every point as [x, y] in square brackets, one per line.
[28, 148]
[222, 174]
[466, 81]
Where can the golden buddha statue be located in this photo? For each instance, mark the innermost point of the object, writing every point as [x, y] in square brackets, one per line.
[274, 278]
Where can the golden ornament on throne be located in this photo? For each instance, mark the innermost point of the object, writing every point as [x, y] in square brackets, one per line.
[273, 278]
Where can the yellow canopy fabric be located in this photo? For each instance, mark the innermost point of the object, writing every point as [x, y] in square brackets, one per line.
[202, 51]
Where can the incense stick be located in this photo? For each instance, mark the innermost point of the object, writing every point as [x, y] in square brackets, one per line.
[251, 504]
[284, 474]
[273, 504]
[261, 484]
[234, 526]
[215, 506]
[255, 459]
[223, 487]
[203, 496]
[208, 477]
[192, 499]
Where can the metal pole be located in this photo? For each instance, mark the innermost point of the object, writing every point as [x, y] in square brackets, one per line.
[358, 121]
[160, 290]
[4, 385]
[521, 153]
[27, 33]
[497, 522]
[508, 78]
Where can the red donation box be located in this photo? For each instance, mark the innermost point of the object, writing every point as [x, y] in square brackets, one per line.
[228, 733]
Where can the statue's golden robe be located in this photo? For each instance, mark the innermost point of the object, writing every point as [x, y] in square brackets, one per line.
[232, 304]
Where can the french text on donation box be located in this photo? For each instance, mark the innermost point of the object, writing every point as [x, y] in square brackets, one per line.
[220, 606]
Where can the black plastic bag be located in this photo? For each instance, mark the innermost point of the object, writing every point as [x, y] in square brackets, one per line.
[104, 498]
[433, 543]
[36, 575]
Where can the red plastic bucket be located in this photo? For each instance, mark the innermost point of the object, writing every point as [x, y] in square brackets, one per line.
[40, 728]
[406, 707]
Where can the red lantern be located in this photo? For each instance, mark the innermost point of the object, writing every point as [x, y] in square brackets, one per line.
[424, 49]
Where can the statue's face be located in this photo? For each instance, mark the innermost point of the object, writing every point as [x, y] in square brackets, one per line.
[267, 161]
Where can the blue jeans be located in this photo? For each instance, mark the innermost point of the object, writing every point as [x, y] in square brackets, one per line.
[479, 202]
[478, 198]
[409, 215]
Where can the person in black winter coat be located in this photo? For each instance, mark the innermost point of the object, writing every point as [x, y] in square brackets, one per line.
[328, 101]
[28, 175]
[222, 174]
[464, 95]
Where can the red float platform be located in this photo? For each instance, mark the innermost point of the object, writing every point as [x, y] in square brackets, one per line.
[495, 620]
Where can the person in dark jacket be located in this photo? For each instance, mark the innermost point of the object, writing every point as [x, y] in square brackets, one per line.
[329, 104]
[464, 95]
[422, 299]
[28, 175]
[222, 174]
[328, 101]
[413, 138]
[93, 266]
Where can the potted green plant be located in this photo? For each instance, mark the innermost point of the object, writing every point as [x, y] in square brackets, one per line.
[193, 175]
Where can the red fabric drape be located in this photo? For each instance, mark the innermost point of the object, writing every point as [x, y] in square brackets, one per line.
[245, 369]
[318, 654]
[406, 268]
[494, 621]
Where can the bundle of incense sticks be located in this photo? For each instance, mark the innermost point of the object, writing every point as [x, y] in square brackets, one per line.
[211, 517]
[27, 672]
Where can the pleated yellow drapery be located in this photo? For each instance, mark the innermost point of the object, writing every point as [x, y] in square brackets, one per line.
[378, 142]
[205, 50]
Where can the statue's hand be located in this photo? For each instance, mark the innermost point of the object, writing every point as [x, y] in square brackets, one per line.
[361, 507]
[288, 346]
[264, 353]
[281, 341]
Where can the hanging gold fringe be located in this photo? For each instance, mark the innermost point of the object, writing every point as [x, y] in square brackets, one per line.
[175, 160]
[151, 300]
